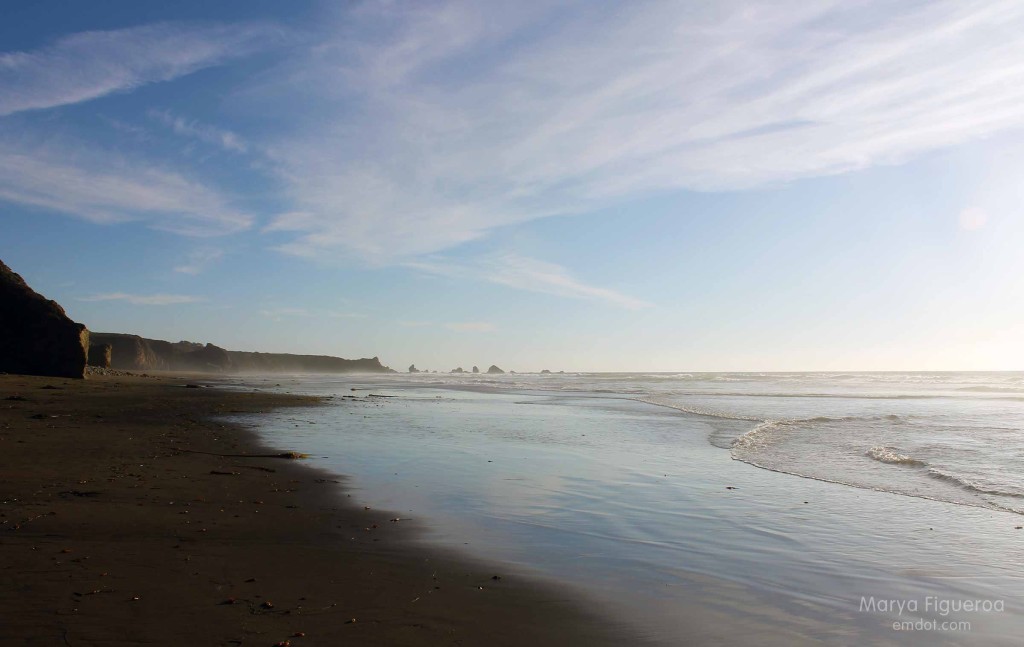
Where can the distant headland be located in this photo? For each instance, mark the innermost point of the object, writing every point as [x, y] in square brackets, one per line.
[38, 338]
[132, 352]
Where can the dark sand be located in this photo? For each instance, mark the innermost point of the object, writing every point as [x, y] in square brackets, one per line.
[110, 535]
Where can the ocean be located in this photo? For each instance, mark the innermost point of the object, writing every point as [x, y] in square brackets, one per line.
[714, 508]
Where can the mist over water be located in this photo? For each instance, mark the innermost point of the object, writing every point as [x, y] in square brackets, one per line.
[645, 490]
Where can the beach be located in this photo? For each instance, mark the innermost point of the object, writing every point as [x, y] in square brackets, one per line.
[590, 509]
[711, 509]
[133, 513]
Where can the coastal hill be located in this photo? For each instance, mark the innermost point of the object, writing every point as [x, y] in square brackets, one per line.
[135, 353]
[36, 336]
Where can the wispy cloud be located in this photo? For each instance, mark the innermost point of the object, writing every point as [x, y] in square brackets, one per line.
[92, 64]
[192, 128]
[145, 299]
[199, 260]
[345, 315]
[973, 218]
[278, 313]
[94, 184]
[435, 126]
[528, 274]
[471, 326]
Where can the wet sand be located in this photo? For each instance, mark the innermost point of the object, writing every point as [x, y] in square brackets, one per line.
[130, 515]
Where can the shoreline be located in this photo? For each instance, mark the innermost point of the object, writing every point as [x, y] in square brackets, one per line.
[132, 514]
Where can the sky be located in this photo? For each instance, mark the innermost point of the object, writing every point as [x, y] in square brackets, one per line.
[579, 186]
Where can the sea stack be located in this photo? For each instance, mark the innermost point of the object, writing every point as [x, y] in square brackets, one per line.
[457, 370]
[36, 337]
[413, 369]
[494, 370]
[476, 369]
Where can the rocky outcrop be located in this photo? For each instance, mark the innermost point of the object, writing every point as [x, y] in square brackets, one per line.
[476, 369]
[494, 370]
[457, 370]
[134, 353]
[545, 372]
[413, 369]
[36, 336]
[99, 355]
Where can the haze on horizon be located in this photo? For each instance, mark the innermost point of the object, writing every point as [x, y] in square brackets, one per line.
[573, 186]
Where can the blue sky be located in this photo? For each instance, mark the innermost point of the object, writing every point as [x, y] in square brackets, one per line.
[573, 185]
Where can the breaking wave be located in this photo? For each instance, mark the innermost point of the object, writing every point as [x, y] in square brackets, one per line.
[892, 456]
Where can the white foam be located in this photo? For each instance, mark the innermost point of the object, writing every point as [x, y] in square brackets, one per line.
[892, 455]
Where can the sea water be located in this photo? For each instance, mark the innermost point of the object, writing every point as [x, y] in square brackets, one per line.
[722, 507]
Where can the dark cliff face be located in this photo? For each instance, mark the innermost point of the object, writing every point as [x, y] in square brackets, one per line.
[99, 355]
[134, 353]
[36, 337]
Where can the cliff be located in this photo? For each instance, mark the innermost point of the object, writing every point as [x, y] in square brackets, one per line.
[134, 353]
[242, 362]
[99, 355]
[36, 336]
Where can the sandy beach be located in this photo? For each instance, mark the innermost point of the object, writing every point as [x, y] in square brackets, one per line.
[131, 515]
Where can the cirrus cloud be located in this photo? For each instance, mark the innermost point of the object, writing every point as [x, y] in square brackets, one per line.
[102, 187]
[441, 123]
[144, 299]
[92, 64]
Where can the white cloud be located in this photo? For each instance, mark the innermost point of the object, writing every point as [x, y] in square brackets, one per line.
[91, 183]
[199, 260]
[528, 274]
[145, 299]
[219, 137]
[973, 218]
[426, 128]
[345, 315]
[278, 313]
[471, 326]
[92, 64]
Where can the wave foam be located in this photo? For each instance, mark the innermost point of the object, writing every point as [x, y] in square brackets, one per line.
[892, 456]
